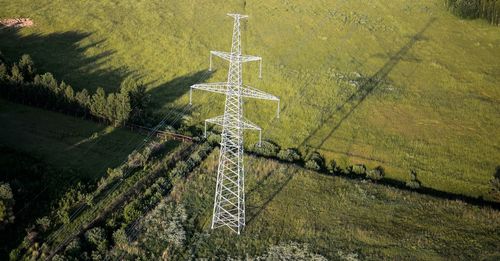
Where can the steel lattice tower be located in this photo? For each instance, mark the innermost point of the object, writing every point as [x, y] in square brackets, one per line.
[229, 204]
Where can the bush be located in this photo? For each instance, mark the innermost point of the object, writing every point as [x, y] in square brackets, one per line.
[358, 169]
[96, 237]
[120, 237]
[163, 227]
[413, 183]
[334, 168]
[312, 165]
[6, 204]
[153, 149]
[132, 211]
[73, 248]
[136, 159]
[267, 148]
[213, 139]
[315, 162]
[376, 173]
[195, 158]
[15, 254]
[181, 169]
[43, 223]
[290, 155]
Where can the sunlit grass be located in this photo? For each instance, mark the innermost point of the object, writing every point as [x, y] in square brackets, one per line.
[288, 204]
[435, 110]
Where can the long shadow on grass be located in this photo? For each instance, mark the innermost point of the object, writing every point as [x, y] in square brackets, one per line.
[80, 147]
[65, 55]
[276, 189]
[166, 93]
[367, 86]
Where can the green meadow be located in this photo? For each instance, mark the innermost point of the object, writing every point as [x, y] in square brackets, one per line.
[81, 147]
[405, 85]
[336, 218]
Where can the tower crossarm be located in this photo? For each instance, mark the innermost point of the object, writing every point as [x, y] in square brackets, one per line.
[246, 124]
[249, 92]
[236, 57]
[217, 87]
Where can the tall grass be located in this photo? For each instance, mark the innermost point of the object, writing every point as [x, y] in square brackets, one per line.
[485, 9]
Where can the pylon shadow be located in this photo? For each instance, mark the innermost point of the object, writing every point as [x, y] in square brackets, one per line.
[255, 211]
[367, 86]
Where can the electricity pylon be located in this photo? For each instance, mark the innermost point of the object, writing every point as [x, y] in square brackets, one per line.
[229, 203]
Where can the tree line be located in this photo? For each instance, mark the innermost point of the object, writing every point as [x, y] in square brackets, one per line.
[19, 82]
[471, 9]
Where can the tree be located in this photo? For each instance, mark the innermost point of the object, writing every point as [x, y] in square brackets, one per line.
[69, 93]
[47, 80]
[27, 67]
[98, 104]
[6, 204]
[131, 212]
[122, 109]
[83, 99]
[16, 75]
[3, 72]
[96, 237]
[110, 108]
[139, 99]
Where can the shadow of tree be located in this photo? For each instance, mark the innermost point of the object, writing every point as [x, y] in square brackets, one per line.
[65, 55]
[57, 139]
[367, 86]
[170, 91]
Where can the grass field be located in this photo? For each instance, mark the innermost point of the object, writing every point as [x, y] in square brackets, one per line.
[338, 218]
[65, 142]
[405, 85]
[44, 154]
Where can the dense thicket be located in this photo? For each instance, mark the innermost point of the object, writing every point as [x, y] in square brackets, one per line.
[20, 83]
[470, 9]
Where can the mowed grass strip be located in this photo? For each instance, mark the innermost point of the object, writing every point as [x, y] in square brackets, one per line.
[337, 217]
[65, 142]
[406, 85]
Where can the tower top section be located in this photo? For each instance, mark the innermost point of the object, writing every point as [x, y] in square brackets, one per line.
[238, 16]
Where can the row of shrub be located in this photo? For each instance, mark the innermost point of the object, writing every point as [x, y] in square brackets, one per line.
[471, 9]
[315, 161]
[80, 197]
[20, 83]
[112, 239]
